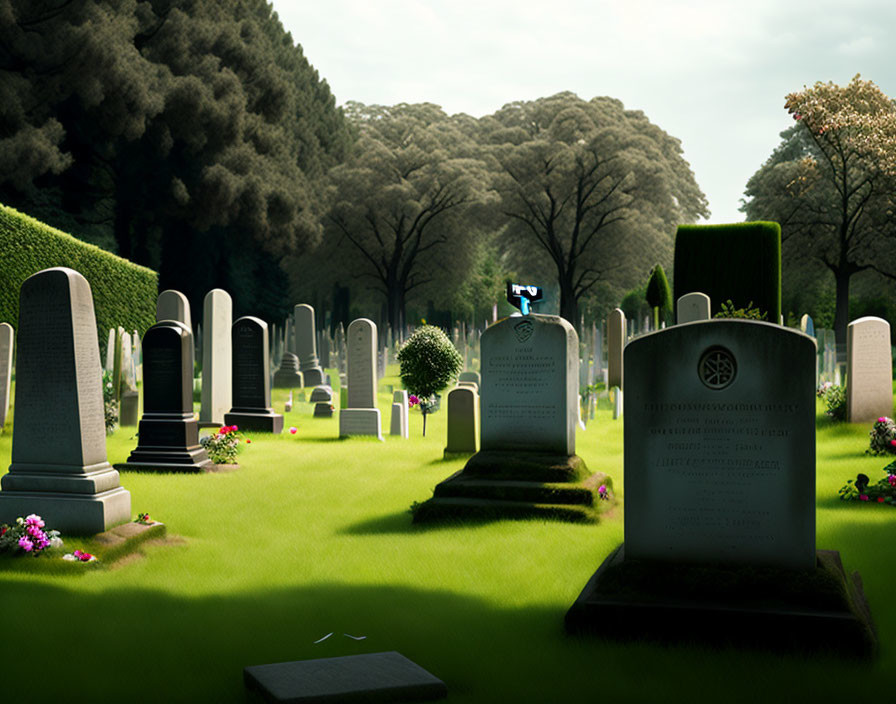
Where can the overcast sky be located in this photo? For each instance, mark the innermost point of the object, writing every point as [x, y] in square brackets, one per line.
[712, 73]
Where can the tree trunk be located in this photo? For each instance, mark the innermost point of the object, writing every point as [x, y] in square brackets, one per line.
[841, 315]
[423, 410]
[569, 304]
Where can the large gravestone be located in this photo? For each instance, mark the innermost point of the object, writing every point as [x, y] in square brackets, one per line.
[463, 421]
[217, 372]
[306, 345]
[692, 307]
[288, 375]
[168, 434]
[361, 416]
[616, 336]
[59, 468]
[251, 378]
[527, 464]
[869, 370]
[7, 336]
[720, 490]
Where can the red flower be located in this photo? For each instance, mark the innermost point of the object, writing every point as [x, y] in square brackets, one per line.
[248, 440]
[880, 499]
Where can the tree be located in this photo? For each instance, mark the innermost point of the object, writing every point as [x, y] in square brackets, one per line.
[405, 201]
[658, 294]
[831, 184]
[429, 362]
[592, 186]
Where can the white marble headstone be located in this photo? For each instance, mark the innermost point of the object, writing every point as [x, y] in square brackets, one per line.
[217, 356]
[869, 370]
[692, 307]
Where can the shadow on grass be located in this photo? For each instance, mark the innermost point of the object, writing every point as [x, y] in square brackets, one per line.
[403, 523]
[156, 646]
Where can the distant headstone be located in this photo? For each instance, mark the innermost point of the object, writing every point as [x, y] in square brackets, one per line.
[470, 376]
[361, 416]
[306, 347]
[807, 325]
[617, 402]
[321, 394]
[288, 375]
[323, 409]
[528, 416]
[616, 338]
[399, 420]
[128, 414]
[168, 433]
[217, 361]
[252, 378]
[692, 307]
[173, 305]
[463, 421]
[325, 362]
[7, 336]
[64, 477]
[869, 374]
[110, 351]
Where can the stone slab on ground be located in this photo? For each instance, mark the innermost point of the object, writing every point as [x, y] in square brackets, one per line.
[769, 608]
[371, 677]
[124, 539]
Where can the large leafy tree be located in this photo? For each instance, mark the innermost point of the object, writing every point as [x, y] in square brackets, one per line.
[188, 135]
[592, 188]
[408, 202]
[831, 183]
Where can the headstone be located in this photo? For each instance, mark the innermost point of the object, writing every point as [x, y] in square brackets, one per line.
[7, 336]
[129, 414]
[340, 348]
[64, 477]
[323, 409]
[110, 351]
[306, 347]
[807, 325]
[719, 456]
[321, 394]
[528, 417]
[173, 305]
[217, 361]
[168, 433]
[470, 376]
[692, 307]
[616, 339]
[463, 421]
[325, 361]
[869, 374]
[361, 416]
[617, 402]
[128, 373]
[719, 448]
[252, 378]
[370, 677]
[288, 375]
[399, 420]
[137, 355]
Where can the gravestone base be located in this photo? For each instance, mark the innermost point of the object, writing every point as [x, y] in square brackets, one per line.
[507, 484]
[167, 445]
[69, 513]
[261, 420]
[820, 608]
[360, 421]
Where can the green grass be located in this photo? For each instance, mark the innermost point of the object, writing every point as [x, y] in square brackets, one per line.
[313, 535]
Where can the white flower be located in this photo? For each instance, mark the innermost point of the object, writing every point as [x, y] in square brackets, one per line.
[55, 542]
[69, 557]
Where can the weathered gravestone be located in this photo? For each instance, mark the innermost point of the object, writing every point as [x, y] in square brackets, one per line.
[110, 350]
[251, 378]
[288, 375]
[361, 416]
[692, 307]
[168, 434]
[306, 345]
[173, 305]
[470, 377]
[7, 336]
[322, 398]
[527, 464]
[616, 337]
[869, 370]
[720, 495]
[399, 422]
[64, 477]
[463, 421]
[217, 362]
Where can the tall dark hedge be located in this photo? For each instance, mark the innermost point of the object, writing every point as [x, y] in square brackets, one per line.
[740, 262]
[123, 293]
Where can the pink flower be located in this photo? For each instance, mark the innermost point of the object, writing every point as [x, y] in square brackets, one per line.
[892, 479]
[893, 443]
[293, 430]
[413, 401]
[602, 489]
[234, 428]
[34, 520]
[882, 419]
[863, 497]
[25, 544]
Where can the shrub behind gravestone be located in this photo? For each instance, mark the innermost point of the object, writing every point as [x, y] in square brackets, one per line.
[429, 362]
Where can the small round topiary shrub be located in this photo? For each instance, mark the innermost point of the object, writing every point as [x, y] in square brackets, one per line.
[429, 362]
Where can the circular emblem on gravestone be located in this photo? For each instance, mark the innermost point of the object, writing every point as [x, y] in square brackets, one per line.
[717, 368]
[523, 330]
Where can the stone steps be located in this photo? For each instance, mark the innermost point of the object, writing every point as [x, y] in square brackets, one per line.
[444, 507]
[515, 490]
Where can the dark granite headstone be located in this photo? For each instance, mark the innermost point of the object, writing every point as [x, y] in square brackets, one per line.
[288, 375]
[251, 378]
[168, 436]
[59, 468]
[372, 677]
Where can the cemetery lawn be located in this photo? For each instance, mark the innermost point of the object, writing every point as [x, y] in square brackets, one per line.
[312, 536]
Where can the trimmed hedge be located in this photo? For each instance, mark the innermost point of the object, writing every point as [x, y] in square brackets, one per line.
[740, 262]
[123, 293]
